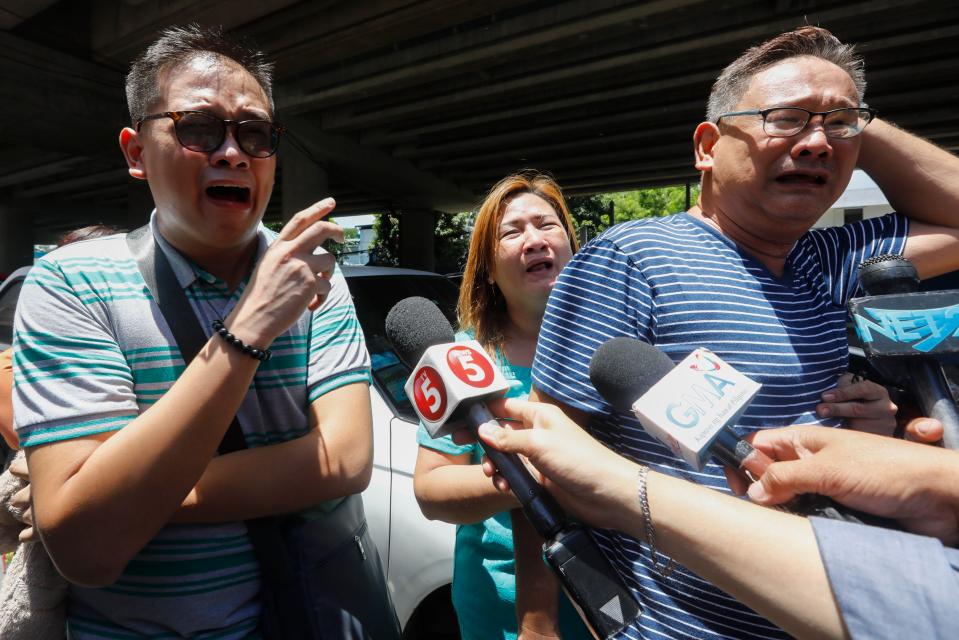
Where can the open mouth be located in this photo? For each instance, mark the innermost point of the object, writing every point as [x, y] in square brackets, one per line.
[545, 265]
[801, 178]
[229, 193]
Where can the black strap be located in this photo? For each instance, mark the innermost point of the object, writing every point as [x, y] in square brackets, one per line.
[176, 309]
[276, 565]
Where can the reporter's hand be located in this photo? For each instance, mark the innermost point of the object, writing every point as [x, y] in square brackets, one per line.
[288, 279]
[865, 406]
[581, 473]
[915, 484]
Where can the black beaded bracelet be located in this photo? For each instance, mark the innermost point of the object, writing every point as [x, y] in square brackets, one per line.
[260, 354]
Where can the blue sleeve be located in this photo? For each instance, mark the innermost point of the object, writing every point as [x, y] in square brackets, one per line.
[890, 584]
[842, 249]
[444, 444]
[601, 294]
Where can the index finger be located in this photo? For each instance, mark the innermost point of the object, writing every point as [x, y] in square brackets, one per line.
[522, 411]
[318, 233]
[856, 391]
[303, 219]
[788, 443]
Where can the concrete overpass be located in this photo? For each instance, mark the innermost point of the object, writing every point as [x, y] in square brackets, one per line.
[416, 106]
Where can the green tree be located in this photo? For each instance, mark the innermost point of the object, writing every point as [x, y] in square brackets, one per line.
[650, 203]
[333, 247]
[452, 241]
[385, 246]
[593, 214]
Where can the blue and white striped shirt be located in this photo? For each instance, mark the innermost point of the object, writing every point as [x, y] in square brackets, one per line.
[679, 284]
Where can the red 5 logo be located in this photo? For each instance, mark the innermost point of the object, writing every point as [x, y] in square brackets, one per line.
[429, 394]
[470, 366]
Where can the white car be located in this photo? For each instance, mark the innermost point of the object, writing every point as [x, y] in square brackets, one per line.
[417, 553]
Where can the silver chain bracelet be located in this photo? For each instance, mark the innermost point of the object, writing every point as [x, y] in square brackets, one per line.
[664, 570]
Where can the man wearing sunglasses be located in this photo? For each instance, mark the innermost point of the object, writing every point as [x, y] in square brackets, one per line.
[743, 274]
[129, 496]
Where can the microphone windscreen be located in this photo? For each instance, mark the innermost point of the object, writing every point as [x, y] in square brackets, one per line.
[623, 369]
[888, 274]
[415, 324]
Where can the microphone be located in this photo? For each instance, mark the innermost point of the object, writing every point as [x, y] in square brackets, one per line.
[903, 331]
[450, 382]
[689, 407]
[424, 341]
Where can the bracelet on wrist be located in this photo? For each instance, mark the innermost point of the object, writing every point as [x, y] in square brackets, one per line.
[260, 354]
[663, 569]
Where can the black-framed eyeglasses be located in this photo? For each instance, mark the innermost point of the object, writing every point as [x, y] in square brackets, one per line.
[783, 122]
[204, 132]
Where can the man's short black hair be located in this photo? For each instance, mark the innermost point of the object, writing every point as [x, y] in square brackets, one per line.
[178, 45]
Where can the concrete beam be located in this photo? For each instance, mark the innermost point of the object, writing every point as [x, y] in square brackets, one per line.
[302, 182]
[518, 113]
[314, 36]
[567, 130]
[561, 22]
[72, 106]
[396, 180]
[569, 74]
[120, 30]
[14, 12]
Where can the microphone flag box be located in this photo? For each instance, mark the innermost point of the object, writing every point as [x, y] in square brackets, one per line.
[691, 404]
[446, 376]
[908, 324]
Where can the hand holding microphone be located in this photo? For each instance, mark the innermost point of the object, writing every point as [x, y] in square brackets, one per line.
[451, 381]
[588, 479]
[690, 408]
[912, 483]
[903, 331]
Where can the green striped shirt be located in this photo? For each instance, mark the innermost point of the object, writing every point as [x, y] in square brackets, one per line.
[92, 351]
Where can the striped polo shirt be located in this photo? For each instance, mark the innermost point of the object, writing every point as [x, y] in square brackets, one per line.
[679, 284]
[92, 351]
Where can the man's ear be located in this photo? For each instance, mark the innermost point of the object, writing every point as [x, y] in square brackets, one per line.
[133, 152]
[704, 139]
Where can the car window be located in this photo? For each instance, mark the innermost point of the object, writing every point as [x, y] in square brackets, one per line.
[8, 305]
[373, 297]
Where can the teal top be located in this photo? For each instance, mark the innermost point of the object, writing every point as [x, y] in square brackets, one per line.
[484, 573]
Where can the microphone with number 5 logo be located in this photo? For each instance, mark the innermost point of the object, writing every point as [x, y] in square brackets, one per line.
[448, 386]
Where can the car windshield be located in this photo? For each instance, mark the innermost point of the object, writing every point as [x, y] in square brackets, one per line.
[374, 296]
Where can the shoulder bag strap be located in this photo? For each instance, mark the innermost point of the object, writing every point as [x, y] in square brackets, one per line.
[176, 309]
[269, 547]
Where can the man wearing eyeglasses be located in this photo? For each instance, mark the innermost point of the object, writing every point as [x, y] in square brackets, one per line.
[134, 506]
[743, 274]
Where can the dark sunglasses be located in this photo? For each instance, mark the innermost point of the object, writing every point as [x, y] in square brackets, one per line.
[203, 132]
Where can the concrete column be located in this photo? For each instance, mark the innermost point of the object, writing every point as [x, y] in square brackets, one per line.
[417, 229]
[302, 182]
[16, 239]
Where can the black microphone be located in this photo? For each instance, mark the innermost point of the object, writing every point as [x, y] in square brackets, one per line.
[624, 369]
[636, 377]
[904, 330]
[415, 326]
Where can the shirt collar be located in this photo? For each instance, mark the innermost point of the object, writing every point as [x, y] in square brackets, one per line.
[185, 270]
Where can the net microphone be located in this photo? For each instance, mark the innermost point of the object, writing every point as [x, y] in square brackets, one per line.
[689, 407]
[904, 331]
[448, 386]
